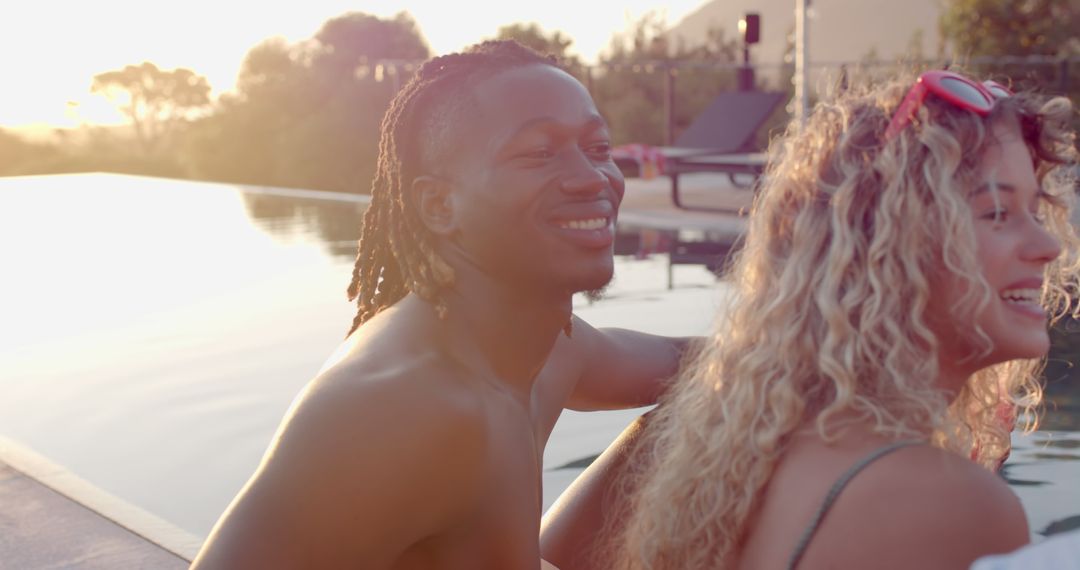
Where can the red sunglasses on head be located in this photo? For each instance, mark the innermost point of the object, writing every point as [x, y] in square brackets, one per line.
[958, 90]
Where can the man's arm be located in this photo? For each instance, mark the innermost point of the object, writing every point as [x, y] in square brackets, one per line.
[623, 368]
[572, 532]
[357, 474]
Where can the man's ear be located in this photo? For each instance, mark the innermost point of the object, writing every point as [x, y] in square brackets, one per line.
[434, 203]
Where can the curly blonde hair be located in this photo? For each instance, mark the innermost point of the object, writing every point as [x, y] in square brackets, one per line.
[829, 315]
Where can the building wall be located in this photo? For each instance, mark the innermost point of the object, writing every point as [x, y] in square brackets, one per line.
[840, 30]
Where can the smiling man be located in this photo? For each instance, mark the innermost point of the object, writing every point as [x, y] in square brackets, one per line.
[420, 443]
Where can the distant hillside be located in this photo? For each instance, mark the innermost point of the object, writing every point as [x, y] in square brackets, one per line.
[50, 134]
[840, 30]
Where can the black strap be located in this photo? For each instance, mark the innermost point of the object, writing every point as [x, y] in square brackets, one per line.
[834, 492]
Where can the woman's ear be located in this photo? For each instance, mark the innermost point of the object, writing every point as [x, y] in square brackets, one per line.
[434, 203]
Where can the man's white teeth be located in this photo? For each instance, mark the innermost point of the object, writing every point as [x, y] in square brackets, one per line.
[1021, 295]
[590, 224]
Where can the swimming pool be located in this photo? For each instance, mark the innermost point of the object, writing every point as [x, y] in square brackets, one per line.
[155, 331]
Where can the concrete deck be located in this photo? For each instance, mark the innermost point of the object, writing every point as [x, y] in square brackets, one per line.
[51, 519]
[40, 528]
[648, 204]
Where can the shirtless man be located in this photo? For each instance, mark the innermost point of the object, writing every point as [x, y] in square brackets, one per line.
[419, 445]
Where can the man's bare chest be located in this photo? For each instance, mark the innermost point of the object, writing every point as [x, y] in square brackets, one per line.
[503, 528]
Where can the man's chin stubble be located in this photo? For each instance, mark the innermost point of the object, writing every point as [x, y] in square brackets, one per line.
[594, 295]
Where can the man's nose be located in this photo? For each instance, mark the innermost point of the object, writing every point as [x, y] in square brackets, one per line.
[581, 176]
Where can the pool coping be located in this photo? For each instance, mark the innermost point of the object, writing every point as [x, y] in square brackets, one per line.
[139, 522]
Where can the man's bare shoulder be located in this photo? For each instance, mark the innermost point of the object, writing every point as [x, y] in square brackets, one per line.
[424, 392]
[925, 507]
[374, 455]
[390, 341]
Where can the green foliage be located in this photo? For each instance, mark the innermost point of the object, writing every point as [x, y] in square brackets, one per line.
[357, 38]
[302, 115]
[531, 35]
[1012, 27]
[1004, 29]
[631, 86]
[156, 101]
[307, 115]
[90, 149]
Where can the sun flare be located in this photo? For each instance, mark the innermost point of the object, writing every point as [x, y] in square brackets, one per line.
[64, 44]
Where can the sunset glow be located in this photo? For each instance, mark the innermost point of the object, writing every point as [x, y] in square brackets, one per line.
[54, 48]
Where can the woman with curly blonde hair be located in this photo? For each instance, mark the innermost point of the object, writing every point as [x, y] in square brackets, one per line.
[903, 257]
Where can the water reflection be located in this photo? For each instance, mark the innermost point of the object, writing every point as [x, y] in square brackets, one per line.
[1043, 470]
[158, 328]
[1062, 378]
[335, 224]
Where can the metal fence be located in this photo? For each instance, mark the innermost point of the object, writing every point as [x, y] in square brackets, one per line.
[652, 102]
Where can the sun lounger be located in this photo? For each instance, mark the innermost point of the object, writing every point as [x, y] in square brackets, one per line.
[722, 139]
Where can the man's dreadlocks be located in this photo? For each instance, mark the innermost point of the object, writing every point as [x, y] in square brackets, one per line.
[395, 254]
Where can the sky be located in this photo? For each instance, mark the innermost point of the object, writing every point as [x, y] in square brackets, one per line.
[50, 49]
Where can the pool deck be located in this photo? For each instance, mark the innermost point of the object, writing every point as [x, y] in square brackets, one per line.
[648, 204]
[52, 519]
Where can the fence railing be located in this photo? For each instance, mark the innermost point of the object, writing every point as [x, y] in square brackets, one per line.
[670, 93]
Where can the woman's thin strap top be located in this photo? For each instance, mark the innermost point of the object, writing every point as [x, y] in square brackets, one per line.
[830, 498]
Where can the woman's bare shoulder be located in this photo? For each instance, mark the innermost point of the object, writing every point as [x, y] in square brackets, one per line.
[924, 507]
[927, 471]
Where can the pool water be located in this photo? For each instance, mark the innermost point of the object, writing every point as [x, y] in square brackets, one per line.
[155, 331]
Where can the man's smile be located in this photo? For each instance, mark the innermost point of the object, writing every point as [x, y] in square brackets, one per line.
[587, 224]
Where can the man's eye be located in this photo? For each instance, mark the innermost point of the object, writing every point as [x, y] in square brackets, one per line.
[601, 149]
[538, 153]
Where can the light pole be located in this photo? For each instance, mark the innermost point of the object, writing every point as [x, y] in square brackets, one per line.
[802, 96]
[750, 31]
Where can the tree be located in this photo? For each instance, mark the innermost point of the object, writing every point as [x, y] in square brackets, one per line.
[533, 36]
[156, 101]
[1012, 27]
[631, 85]
[998, 28]
[267, 67]
[355, 39]
[307, 114]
